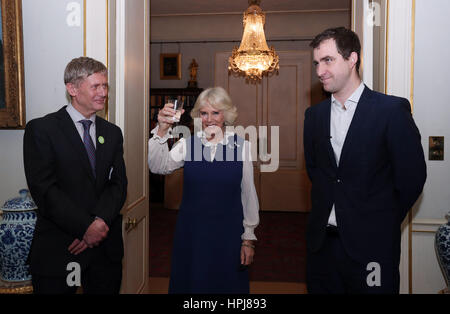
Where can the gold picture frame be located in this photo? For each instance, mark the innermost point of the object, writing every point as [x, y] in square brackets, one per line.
[12, 78]
[170, 66]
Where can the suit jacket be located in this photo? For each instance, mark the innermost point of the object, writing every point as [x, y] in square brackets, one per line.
[67, 193]
[381, 174]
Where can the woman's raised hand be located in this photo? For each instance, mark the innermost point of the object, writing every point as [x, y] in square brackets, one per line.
[165, 118]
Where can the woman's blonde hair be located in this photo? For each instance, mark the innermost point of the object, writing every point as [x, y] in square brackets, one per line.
[218, 98]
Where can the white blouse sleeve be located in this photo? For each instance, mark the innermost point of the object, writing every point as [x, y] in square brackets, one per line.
[160, 160]
[249, 197]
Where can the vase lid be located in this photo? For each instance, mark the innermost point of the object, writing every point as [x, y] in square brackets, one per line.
[22, 203]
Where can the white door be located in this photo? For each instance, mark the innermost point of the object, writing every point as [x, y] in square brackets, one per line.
[131, 73]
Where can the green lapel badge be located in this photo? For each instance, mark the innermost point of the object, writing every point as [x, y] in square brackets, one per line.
[101, 140]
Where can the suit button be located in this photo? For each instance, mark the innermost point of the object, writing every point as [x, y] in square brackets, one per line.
[338, 180]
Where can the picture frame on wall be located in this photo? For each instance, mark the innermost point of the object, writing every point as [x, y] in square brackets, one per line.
[12, 80]
[170, 66]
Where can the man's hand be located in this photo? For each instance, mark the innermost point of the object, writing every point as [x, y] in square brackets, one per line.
[77, 247]
[96, 233]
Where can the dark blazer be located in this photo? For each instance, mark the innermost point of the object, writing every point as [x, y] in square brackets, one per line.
[67, 194]
[381, 174]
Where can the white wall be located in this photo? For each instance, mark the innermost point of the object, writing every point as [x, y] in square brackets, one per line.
[49, 44]
[432, 115]
[431, 102]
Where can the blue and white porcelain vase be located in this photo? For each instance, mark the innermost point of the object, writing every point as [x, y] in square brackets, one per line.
[443, 248]
[16, 234]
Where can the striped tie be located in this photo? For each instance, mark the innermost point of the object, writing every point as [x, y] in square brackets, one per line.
[88, 144]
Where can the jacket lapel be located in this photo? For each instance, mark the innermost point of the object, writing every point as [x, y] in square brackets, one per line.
[69, 129]
[357, 126]
[101, 132]
[327, 132]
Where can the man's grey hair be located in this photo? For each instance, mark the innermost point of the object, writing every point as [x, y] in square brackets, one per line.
[80, 68]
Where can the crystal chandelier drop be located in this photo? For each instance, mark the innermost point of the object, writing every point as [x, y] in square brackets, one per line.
[253, 59]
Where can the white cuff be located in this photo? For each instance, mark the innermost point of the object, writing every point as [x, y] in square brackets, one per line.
[161, 140]
[249, 234]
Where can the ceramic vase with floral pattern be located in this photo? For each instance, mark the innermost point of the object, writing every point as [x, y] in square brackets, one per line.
[442, 242]
[16, 234]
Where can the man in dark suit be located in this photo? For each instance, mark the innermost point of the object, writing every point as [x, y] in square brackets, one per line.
[76, 174]
[366, 163]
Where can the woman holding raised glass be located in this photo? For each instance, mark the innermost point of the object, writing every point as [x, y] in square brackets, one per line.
[214, 236]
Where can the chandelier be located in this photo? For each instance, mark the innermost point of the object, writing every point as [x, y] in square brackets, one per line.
[253, 59]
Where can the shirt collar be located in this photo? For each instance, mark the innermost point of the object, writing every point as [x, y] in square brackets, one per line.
[77, 116]
[354, 98]
[202, 136]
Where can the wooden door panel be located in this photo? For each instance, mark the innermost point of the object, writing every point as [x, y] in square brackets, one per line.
[282, 109]
[285, 190]
[286, 97]
[136, 228]
[132, 99]
[245, 97]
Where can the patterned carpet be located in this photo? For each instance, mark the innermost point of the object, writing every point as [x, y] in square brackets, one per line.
[280, 249]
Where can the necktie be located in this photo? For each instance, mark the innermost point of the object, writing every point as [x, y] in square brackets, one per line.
[88, 144]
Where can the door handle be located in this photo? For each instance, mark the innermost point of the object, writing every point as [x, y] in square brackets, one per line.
[130, 224]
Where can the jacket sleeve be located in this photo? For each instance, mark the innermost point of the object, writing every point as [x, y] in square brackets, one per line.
[53, 204]
[406, 155]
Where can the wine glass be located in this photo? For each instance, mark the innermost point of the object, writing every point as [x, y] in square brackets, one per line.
[178, 103]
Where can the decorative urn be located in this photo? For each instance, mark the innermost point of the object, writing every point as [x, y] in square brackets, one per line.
[442, 243]
[16, 234]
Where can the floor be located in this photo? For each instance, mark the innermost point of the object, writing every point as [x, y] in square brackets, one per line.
[159, 285]
[277, 230]
[281, 250]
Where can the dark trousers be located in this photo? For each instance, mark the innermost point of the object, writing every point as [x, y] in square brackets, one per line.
[102, 276]
[332, 271]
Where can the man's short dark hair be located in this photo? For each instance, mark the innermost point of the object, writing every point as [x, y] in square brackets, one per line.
[346, 42]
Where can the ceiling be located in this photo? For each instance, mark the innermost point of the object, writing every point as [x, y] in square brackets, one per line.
[163, 7]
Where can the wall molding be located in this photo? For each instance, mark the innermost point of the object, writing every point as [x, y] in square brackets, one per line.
[120, 64]
[96, 34]
[242, 12]
[210, 27]
[427, 225]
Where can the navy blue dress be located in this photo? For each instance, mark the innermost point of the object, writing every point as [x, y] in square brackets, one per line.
[207, 243]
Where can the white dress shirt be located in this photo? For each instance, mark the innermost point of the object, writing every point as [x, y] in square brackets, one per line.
[77, 117]
[161, 161]
[340, 120]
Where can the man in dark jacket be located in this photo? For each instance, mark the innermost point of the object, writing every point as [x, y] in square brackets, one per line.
[75, 171]
[366, 163]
